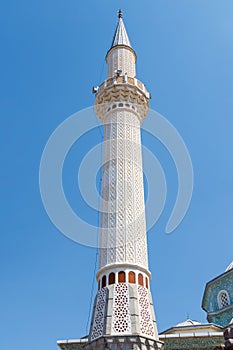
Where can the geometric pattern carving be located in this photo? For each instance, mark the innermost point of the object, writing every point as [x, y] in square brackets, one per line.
[123, 226]
[125, 94]
[98, 323]
[122, 59]
[145, 316]
[121, 323]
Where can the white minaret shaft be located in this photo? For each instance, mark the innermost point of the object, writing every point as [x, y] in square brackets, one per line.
[123, 228]
[123, 305]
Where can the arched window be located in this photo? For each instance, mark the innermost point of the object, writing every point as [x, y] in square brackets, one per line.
[132, 277]
[111, 278]
[121, 277]
[103, 281]
[223, 299]
[140, 279]
[147, 282]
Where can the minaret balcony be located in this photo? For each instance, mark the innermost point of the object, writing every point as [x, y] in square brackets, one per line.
[124, 79]
[113, 91]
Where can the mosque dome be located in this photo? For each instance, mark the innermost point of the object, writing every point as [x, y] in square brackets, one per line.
[188, 323]
[229, 267]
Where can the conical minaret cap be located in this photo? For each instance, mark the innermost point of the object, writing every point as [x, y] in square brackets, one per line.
[120, 36]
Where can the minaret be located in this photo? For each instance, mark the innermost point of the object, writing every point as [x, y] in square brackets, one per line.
[123, 315]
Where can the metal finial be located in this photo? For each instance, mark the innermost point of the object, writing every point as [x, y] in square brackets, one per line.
[120, 14]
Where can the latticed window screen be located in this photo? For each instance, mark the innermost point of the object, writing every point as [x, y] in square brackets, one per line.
[223, 299]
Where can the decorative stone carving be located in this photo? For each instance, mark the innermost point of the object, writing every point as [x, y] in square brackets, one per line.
[123, 59]
[98, 321]
[121, 323]
[123, 226]
[121, 93]
[145, 316]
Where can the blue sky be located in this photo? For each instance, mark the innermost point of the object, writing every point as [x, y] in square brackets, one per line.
[52, 53]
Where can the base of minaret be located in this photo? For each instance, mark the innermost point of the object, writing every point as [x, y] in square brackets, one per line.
[123, 318]
[124, 343]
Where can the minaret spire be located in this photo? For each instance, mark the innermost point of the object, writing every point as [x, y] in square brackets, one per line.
[120, 36]
[120, 14]
[121, 56]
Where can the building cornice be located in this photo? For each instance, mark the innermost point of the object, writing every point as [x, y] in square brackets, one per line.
[218, 312]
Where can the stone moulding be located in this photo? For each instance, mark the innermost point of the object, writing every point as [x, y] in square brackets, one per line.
[124, 343]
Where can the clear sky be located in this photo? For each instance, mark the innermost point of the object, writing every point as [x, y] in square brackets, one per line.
[52, 53]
